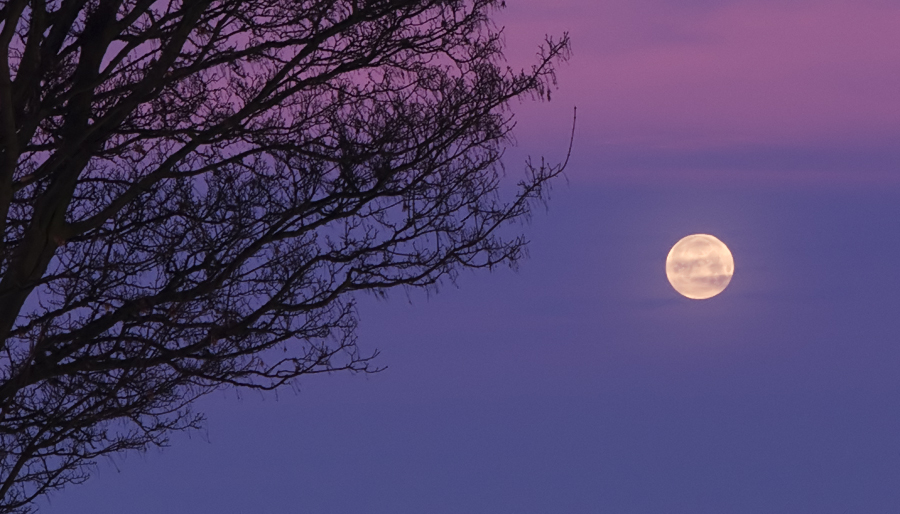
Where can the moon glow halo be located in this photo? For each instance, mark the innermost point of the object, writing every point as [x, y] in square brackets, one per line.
[699, 266]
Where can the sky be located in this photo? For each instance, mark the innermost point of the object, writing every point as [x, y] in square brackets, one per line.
[583, 383]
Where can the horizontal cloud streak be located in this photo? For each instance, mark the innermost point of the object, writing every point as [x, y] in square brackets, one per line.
[739, 85]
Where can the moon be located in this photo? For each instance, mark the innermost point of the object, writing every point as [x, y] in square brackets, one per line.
[699, 266]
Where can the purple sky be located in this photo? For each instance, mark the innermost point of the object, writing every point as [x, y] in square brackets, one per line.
[583, 383]
[706, 87]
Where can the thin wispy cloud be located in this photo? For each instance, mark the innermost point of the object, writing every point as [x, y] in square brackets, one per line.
[760, 81]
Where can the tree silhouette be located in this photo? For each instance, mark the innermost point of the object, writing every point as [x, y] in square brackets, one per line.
[192, 191]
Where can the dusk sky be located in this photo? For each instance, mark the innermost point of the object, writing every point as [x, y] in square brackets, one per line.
[583, 383]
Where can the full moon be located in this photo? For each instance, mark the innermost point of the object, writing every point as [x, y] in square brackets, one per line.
[699, 266]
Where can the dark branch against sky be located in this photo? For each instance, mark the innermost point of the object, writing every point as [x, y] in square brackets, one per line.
[192, 192]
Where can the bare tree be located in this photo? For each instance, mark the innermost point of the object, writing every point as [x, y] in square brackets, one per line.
[191, 192]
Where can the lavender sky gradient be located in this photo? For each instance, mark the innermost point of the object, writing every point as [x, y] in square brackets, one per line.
[583, 383]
